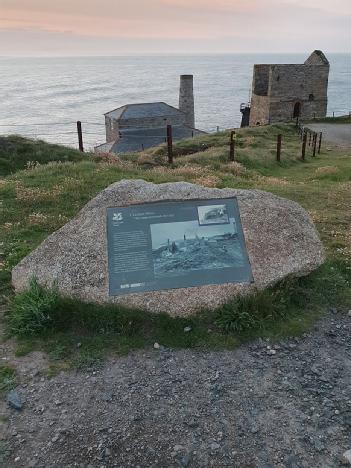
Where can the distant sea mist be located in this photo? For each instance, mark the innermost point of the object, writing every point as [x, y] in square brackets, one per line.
[44, 97]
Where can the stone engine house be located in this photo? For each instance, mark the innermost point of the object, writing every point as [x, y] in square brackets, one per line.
[135, 127]
[284, 92]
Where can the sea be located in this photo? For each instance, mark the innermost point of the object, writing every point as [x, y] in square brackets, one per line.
[45, 97]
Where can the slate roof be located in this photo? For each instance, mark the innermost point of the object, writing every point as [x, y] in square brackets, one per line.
[137, 111]
[134, 139]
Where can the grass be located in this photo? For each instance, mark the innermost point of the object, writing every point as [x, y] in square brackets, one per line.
[81, 335]
[3, 452]
[32, 310]
[41, 198]
[331, 119]
[7, 379]
[18, 153]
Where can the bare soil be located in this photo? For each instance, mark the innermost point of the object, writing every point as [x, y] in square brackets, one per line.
[262, 405]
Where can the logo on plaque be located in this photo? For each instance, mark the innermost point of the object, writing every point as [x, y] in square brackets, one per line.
[117, 217]
[180, 244]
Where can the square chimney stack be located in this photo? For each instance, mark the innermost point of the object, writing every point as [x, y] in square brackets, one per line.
[186, 99]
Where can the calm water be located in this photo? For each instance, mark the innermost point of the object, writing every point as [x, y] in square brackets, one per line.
[43, 97]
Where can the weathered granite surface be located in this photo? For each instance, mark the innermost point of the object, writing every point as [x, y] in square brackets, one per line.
[280, 238]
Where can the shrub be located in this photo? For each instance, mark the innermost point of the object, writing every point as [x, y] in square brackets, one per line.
[7, 378]
[30, 311]
[249, 312]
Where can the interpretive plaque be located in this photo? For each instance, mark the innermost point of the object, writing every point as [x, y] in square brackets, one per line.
[177, 244]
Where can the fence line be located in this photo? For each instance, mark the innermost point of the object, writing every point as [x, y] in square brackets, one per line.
[48, 130]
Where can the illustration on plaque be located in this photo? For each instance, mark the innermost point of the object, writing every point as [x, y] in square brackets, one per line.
[175, 244]
[212, 214]
[182, 247]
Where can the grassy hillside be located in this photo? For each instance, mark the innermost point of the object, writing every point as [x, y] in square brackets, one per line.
[18, 153]
[41, 198]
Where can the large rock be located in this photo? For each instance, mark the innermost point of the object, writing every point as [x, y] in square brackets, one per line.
[280, 238]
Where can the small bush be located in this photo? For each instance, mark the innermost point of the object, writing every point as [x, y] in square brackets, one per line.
[254, 311]
[30, 311]
[7, 378]
[4, 452]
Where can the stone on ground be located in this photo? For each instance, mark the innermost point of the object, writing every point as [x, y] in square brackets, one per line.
[280, 238]
[14, 400]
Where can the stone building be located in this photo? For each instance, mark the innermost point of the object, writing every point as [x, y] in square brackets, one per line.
[135, 127]
[284, 92]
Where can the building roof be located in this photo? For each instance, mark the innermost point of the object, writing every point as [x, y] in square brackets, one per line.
[135, 139]
[138, 111]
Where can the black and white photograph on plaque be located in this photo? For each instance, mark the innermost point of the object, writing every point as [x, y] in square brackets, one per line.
[181, 247]
[213, 214]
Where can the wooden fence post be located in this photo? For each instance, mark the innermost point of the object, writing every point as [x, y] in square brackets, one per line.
[314, 144]
[309, 138]
[320, 142]
[169, 144]
[80, 136]
[232, 146]
[304, 142]
[279, 146]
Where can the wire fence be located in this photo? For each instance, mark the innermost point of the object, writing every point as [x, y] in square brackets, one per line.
[93, 133]
[58, 132]
[66, 133]
[336, 114]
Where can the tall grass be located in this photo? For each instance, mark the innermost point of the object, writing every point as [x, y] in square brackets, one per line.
[33, 310]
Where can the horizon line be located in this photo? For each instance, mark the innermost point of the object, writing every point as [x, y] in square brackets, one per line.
[164, 54]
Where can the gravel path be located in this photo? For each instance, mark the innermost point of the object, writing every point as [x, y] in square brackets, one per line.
[339, 134]
[262, 405]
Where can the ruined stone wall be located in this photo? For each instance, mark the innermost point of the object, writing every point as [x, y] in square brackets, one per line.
[259, 113]
[152, 122]
[260, 82]
[306, 84]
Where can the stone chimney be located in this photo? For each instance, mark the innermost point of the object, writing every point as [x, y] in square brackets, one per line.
[186, 99]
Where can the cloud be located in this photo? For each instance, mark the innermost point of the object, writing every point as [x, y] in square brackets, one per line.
[207, 25]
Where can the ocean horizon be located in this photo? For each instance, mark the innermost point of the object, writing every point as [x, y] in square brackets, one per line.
[43, 97]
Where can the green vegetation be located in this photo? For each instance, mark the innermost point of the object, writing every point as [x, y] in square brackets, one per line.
[81, 334]
[339, 119]
[41, 198]
[18, 153]
[31, 310]
[3, 452]
[7, 379]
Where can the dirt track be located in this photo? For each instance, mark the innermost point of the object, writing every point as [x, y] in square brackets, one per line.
[262, 405]
[338, 134]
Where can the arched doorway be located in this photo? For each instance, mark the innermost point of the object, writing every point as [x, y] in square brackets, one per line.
[297, 110]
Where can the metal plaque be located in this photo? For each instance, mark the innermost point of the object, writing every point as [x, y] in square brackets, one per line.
[176, 244]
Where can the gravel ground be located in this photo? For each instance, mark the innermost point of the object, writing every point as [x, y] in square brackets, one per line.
[340, 134]
[263, 405]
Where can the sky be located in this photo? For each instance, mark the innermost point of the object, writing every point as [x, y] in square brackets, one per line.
[122, 27]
